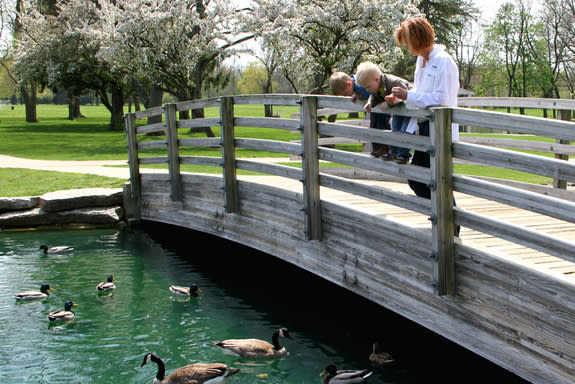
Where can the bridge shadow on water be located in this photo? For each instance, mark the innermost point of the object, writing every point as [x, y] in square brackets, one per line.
[304, 302]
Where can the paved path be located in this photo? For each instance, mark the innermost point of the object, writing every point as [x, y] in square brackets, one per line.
[110, 168]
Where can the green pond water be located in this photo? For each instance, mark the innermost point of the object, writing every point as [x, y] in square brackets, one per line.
[245, 294]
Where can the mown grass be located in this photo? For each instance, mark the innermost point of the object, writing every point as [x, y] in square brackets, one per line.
[28, 182]
[55, 137]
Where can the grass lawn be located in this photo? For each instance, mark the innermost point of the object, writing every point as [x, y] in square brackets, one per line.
[55, 137]
[16, 182]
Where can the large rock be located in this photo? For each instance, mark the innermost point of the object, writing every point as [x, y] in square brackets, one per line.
[18, 203]
[81, 198]
[38, 217]
[29, 218]
[104, 215]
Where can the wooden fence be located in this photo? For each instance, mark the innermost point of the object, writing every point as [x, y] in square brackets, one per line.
[439, 177]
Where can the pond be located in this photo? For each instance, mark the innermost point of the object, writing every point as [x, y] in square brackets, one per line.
[245, 294]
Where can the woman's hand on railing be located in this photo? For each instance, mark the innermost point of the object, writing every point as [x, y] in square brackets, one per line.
[399, 92]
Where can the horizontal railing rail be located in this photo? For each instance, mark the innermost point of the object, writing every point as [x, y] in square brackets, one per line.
[517, 102]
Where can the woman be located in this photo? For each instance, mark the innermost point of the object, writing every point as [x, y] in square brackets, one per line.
[436, 83]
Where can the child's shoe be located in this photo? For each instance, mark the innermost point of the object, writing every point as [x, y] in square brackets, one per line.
[381, 151]
[402, 159]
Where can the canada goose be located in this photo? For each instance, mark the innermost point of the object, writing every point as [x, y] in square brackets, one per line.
[255, 348]
[192, 290]
[57, 249]
[35, 295]
[108, 285]
[198, 373]
[333, 376]
[378, 356]
[66, 314]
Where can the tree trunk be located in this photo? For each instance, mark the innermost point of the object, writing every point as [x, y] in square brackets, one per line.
[74, 108]
[199, 113]
[28, 91]
[117, 111]
[156, 98]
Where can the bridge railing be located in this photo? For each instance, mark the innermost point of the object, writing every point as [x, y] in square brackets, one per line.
[440, 210]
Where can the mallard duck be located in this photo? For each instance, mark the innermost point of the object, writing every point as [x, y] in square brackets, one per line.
[57, 249]
[108, 285]
[193, 290]
[35, 295]
[378, 356]
[255, 348]
[66, 314]
[198, 373]
[333, 376]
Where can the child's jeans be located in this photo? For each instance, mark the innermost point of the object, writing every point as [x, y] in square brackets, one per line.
[399, 124]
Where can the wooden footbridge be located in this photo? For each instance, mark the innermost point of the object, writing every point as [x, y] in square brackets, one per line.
[505, 289]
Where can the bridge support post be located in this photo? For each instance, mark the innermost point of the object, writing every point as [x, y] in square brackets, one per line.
[134, 163]
[562, 115]
[310, 163]
[173, 152]
[442, 203]
[231, 203]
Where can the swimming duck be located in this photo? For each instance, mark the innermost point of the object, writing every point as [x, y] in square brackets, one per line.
[35, 295]
[57, 249]
[108, 285]
[192, 290]
[66, 314]
[378, 356]
[333, 376]
[255, 348]
[198, 373]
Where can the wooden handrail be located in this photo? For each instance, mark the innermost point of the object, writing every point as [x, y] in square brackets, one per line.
[440, 209]
[516, 102]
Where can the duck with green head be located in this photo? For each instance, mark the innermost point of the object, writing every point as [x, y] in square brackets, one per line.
[44, 293]
[66, 314]
[107, 285]
[333, 376]
[56, 249]
[192, 291]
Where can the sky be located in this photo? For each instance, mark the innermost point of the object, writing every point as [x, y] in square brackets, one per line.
[489, 8]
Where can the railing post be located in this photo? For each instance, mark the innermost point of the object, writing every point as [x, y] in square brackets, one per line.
[173, 152]
[562, 115]
[310, 164]
[133, 161]
[231, 203]
[442, 202]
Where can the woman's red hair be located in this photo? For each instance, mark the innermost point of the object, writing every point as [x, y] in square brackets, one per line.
[417, 33]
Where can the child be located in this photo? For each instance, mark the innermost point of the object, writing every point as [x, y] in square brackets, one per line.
[379, 85]
[342, 84]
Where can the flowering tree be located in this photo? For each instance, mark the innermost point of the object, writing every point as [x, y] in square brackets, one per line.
[55, 50]
[169, 44]
[560, 14]
[321, 36]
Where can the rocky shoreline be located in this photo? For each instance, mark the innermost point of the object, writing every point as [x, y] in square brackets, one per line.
[77, 207]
